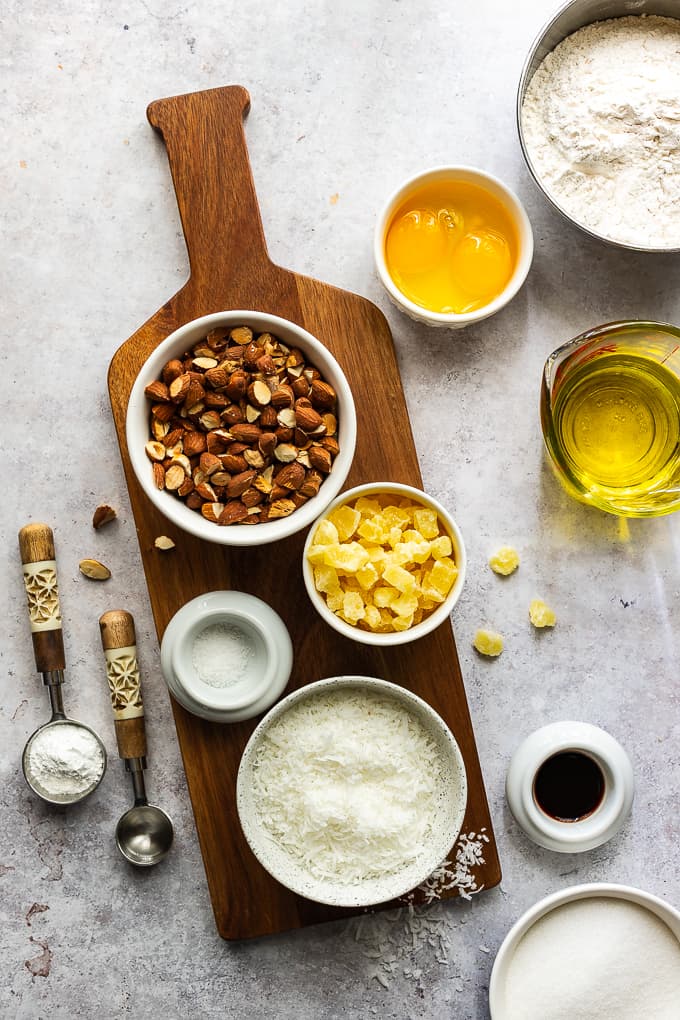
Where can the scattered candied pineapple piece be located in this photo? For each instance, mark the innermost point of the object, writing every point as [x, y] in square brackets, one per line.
[396, 517]
[335, 600]
[405, 605]
[504, 561]
[426, 522]
[367, 506]
[488, 642]
[541, 615]
[346, 520]
[384, 597]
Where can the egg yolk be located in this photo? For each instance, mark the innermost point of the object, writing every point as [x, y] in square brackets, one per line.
[451, 247]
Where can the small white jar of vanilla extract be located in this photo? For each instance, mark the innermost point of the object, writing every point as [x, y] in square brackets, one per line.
[570, 786]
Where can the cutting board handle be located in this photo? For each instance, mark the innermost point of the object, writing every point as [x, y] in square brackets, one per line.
[215, 192]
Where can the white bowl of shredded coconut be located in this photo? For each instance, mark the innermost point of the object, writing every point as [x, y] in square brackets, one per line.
[351, 791]
[598, 113]
[600, 951]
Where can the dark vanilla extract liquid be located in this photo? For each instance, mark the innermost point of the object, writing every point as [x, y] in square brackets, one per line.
[569, 786]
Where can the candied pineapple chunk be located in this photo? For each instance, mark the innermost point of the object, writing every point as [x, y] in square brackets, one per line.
[382, 564]
[353, 608]
[504, 561]
[349, 557]
[426, 522]
[326, 534]
[541, 615]
[488, 642]
[346, 520]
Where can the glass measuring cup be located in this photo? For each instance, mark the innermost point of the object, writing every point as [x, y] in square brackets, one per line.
[610, 414]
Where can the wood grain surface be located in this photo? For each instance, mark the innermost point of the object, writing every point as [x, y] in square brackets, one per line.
[230, 268]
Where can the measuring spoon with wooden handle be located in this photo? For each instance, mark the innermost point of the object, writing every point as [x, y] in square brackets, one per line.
[144, 834]
[47, 772]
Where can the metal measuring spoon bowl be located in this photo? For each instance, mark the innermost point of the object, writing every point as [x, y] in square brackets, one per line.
[63, 761]
[144, 834]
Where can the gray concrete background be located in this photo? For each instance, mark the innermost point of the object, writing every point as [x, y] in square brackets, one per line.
[347, 99]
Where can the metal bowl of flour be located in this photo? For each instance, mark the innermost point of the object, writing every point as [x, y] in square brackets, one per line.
[568, 19]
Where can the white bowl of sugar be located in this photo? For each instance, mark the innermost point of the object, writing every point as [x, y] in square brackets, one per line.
[598, 950]
[226, 656]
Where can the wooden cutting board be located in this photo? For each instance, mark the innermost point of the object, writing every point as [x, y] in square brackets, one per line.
[230, 268]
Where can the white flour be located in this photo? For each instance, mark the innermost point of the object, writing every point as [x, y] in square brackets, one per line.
[601, 121]
[595, 959]
[64, 761]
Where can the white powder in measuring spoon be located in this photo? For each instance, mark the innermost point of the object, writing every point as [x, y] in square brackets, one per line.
[64, 761]
[221, 655]
[601, 122]
[595, 959]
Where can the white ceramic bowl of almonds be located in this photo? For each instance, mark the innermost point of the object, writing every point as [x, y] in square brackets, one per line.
[313, 483]
[418, 595]
[351, 791]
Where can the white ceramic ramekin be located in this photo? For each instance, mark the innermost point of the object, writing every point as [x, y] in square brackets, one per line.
[619, 785]
[429, 623]
[525, 238]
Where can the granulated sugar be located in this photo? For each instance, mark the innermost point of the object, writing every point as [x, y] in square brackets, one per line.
[595, 959]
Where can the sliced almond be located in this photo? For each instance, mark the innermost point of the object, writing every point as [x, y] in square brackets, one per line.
[95, 570]
[286, 452]
[174, 476]
[155, 450]
[286, 418]
[163, 542]
[104, 514]
[281, 508]
[205, 363]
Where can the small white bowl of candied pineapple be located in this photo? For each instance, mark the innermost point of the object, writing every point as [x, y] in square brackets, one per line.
[385, 564]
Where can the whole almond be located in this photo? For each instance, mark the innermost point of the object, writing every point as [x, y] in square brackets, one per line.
[217, 377]
[210, 463]
[233, 512]
[331, 444]
[215, 400]
[205, 491]
[211, 511]
[233, 463]
[239, 483]
[267, 443]
[306, 418]
[323, 395]
[163, 412]
[194, 443]
[246, 433]
[300, 387]
[157, 391]
[214, 444]
[251, 355]
[171, 370]
[194, 394]
[237, 385]
[319, 458]
[251, 497]
[291, 476]
[265, 364]
[186, 487]
[282, 396]
[311, 484]
[194, 501]
[268, 418]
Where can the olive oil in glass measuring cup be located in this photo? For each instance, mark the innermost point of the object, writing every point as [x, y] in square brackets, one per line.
[610, 413]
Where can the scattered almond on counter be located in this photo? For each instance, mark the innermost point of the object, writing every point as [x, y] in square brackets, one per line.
[95, 570]
[488, 642]
[541, 615]
[504, 561]
[164, 542]
[104, 514]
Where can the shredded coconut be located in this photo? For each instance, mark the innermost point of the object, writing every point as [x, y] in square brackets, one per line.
[220, 655]
[399, 942]
[348, 784]
[601, 121]
[64, 761]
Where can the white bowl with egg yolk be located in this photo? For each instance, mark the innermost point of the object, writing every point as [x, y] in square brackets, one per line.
[476, 258]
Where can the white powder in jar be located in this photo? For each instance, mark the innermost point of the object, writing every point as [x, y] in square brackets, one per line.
[595, 959]
[601, 123]
[221, 655]
[64, 761]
